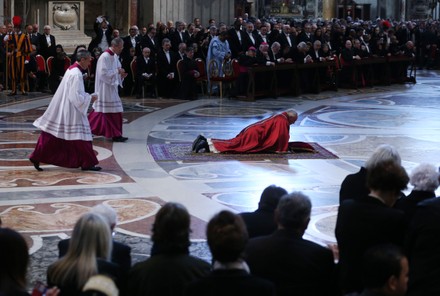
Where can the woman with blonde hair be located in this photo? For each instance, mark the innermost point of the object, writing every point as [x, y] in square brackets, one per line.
[88, 254]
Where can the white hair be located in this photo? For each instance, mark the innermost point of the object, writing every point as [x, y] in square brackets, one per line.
[107, 212]
[425, 177]
[383, 153]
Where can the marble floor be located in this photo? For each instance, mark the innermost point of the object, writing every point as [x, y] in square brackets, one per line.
[349, 123]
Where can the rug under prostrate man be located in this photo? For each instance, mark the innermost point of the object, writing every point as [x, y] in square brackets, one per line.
[268, 135]
[66, 138]
[106, 116]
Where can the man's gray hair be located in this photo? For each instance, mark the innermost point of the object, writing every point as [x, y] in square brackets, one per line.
[107, 212]
[82, 54]
[293, 210]
[383, 153]
[117, 41]
[165, 40]
[425, 177]
[276, 43]
[302, 45]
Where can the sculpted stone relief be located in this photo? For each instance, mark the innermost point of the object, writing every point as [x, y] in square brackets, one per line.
[66, 15]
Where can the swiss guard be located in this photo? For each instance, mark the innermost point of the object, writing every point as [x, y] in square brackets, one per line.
[18, 47]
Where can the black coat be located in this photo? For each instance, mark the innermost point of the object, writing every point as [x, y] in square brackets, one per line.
[423, 249]
[43, 47]
[296, 266]
[120, 253]
[259, 223]
[165, 274]
[361, 224]
[354, 186]
[234, 282]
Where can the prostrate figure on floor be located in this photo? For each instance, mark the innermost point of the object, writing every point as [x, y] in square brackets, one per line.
[106, 116]
[268, 135]
[66, 139]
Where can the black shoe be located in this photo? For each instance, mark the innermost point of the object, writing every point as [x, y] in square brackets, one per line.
[119, 139]
[24, 94]
[36, 165]
[202, 145]
[196, 141]
[12, 94]
[93, 168]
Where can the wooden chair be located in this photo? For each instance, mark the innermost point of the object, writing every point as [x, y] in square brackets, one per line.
[226, 79]
[203, 78]
[179, 69]
[49, 65]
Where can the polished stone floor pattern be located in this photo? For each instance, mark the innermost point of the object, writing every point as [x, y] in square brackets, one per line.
[349, 123]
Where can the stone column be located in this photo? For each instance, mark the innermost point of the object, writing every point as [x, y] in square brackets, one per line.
[329, 9]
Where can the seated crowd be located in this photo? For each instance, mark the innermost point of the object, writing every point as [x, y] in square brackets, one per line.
[386, 245]
[151, 55]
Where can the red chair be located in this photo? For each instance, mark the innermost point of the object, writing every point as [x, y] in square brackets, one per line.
[41, 64]
[67, 63]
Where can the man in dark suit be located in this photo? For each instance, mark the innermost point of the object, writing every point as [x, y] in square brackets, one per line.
[35, 36]
[235, 39]
[370, 220]
[120, 252]
[249, 37]
[150, 40]
[145, 71]
[103, 31]
[132, 40]
[262, 221]
[286, 39]
[46, 44]
[167, 80]
[179, 36]
[296, 266]
[306, 35]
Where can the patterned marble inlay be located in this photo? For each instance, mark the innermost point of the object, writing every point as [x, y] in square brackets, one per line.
[50, 178]
[63, 216]
[62, 193]
[235, 170]
[14, 154]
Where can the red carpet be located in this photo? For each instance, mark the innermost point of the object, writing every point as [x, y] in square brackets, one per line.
[182, 152]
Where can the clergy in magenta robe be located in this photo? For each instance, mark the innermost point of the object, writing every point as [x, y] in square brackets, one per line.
[66, 138]
[268, 135]
[106, 116]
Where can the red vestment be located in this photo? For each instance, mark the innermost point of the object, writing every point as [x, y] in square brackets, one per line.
[268, 135]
